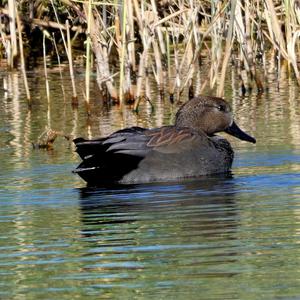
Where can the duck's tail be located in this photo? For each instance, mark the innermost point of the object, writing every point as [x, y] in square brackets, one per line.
[104, 160]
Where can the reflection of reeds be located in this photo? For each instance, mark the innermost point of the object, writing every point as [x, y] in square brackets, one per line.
[23, 59]
[46, 34]
[59, 68]
[134, 39]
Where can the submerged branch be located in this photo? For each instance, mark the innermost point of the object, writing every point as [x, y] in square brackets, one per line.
[48, 137]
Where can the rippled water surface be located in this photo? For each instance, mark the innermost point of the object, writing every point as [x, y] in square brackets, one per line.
[228, 237]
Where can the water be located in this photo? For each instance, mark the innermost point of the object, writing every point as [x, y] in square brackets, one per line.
[225, 237]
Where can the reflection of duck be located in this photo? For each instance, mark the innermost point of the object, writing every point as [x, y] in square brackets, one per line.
[156, 236]
[201, 207]
[187, 149]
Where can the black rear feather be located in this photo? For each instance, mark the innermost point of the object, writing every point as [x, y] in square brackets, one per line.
[108, 159]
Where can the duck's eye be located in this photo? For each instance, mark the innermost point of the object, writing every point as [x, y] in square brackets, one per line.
[221, 108]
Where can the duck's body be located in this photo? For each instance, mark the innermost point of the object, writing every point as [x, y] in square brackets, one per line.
[187, 149]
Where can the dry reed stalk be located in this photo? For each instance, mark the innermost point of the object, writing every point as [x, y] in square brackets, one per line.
[257, 45]
[145, 22]
[147, 82]
[171, 16]
[142, 90]
[228, 47]
[158, 30]
[168, 61]
[291, 51]
[127, 59]
[252, 46]
[68, 49]
[158, 71]
[131, 73]
[288, 22]
[159, 50]
[122, 88]
[59, 68]
[274, 27]
[107, 37]
[292, 35]
[188, 59]
[241, 37]
[144, 33]
[175, 46]
[71, 68]
[46, 34]
[121, 43]
[117, 27]
[139, 14]
[284, 44]
[13, 51]
[100, 51]
[188, 82]
[246, 44]
[196, 40]
[216, 44]
[248, 31]
[23, 68]
[140, 80]
[131, 36]
[297, 12]
[260, 39]
[242, 84]
[199, 42]
[217, 50]
[4, 38]
[88, 57]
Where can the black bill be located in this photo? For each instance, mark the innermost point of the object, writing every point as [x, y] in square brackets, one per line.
[238, 133]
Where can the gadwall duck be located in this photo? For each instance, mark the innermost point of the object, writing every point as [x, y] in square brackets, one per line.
[187, 149]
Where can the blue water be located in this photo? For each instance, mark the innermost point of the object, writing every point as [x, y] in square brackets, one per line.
[222, 237]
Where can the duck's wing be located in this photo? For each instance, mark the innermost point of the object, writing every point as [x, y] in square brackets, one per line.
[112, 157]
[170, 139]
[137, 141]
[122, 138]
[109, 159]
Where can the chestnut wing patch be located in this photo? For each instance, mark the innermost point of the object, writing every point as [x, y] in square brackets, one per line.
[169, 136]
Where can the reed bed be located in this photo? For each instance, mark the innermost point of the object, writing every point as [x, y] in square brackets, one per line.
[128, 41]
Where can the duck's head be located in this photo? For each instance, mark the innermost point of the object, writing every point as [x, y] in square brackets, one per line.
[210, 115]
